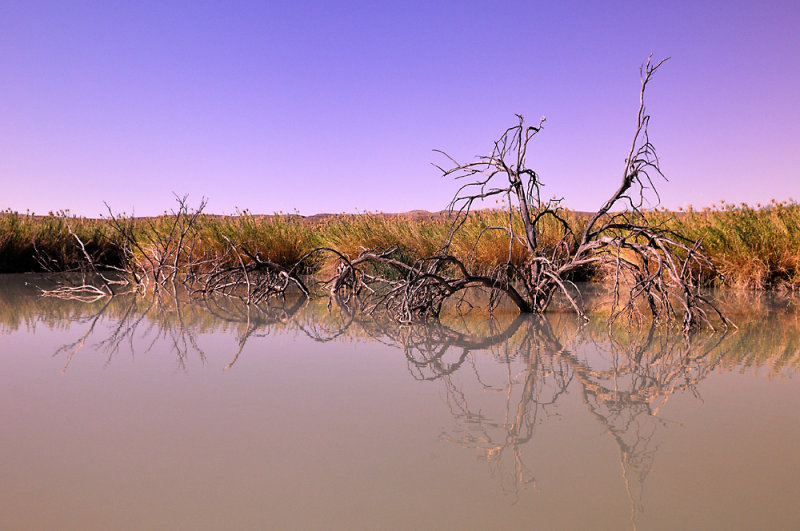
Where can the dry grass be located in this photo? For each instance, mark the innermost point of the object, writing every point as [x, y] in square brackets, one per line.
[754, 247]
[23, 237]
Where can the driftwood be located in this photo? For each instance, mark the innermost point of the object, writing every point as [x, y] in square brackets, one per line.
[656, 273]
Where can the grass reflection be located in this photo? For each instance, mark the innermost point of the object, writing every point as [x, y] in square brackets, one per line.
[502, 376]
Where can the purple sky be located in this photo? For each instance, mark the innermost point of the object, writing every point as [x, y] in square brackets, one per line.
[283, 106]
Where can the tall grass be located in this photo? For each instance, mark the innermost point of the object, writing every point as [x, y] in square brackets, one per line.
[27, 241]
[753, 247]
[285, 238]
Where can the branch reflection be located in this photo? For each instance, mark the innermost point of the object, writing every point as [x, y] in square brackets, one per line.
[502, 377]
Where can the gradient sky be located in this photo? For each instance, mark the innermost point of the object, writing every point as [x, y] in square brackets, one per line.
[330, 107]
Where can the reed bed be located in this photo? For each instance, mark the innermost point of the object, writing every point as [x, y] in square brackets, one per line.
[37, 243]
[754, 247]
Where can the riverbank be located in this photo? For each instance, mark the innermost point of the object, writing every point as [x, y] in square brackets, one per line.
[755, 248]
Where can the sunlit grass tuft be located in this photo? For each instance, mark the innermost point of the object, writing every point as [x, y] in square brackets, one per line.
[754, 248]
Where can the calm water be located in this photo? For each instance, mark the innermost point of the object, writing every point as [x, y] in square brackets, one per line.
[137, 413]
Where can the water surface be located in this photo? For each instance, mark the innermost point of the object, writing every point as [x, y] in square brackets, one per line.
[146, 413]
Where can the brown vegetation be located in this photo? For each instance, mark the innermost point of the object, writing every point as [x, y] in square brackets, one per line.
[753, 248]
[408, 266]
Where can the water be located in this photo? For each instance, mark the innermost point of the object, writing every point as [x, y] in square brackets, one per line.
[137, 413]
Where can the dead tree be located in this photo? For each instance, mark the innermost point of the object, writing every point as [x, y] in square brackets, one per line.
[653, 268]
[656, 273]
[156, 254]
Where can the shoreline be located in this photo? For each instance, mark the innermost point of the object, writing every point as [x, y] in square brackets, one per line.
[753, 248]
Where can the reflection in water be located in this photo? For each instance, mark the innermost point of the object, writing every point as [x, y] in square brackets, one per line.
[502, 377]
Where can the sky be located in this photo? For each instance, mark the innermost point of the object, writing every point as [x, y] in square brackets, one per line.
[323, 106]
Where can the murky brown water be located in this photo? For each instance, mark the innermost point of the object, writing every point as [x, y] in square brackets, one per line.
[139, 414]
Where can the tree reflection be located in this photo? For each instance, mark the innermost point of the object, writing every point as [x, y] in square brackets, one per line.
[626, 397]
[624, 380]
[523, 365]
